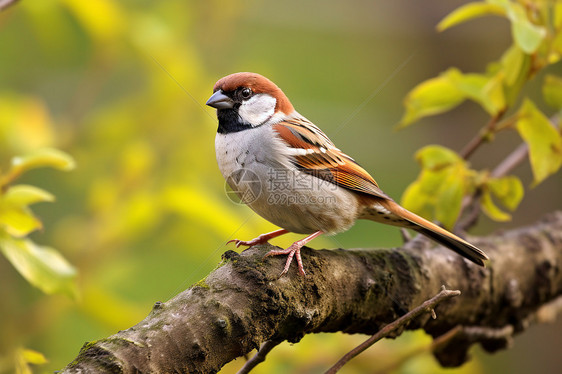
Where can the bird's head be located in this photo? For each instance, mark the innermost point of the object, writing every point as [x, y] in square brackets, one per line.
[247, 100]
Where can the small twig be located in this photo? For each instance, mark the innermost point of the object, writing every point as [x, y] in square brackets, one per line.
[259, 357]
[435, 344]
[470, 203]
[426, 307]
[473, 144]
[406, 237]
[511, 161]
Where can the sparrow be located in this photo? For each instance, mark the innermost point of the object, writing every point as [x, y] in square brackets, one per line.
[290, 173]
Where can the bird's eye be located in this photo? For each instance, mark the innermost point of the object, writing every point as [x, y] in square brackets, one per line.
[246, 93]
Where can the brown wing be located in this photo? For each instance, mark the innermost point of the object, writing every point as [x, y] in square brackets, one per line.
[314, 153]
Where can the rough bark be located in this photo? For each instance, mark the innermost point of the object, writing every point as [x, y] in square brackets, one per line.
[243, 302]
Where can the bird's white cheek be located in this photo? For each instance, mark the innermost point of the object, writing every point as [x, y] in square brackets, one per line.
[258, 109]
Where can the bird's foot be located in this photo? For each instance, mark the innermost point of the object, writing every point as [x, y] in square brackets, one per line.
[262, 239]
[293, 251]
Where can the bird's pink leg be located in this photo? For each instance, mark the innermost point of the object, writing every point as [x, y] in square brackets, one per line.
[294, 251]
[263, 238]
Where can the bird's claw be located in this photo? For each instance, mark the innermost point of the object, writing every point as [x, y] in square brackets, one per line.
[292, 251]
[247, 243]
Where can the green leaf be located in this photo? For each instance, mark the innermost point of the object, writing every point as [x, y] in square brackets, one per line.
[469, 11]
[558, 16]
[494, 100]
[18, 221]
[33, 357]
[440, 187]
[552, 91]
[515, 66]
[46, 157]
[433, 96]
[449, 197]
[43, 267]
[512, 62]
[420, 195]
[23, 195]
[485, 90]
[15, 216]
[491, 210]
[545, 143]
[435, 157]
[508, 190]
[556, 49]
[22, 359]
[527, 35]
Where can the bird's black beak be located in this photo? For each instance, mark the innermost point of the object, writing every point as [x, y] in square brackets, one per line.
[220, 101]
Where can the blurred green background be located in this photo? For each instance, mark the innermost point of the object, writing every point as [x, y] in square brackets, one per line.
[121, 87]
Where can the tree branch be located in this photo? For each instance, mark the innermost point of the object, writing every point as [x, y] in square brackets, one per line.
[426, 307]
[243, 302]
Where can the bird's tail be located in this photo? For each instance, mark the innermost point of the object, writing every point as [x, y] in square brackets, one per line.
[439, 234]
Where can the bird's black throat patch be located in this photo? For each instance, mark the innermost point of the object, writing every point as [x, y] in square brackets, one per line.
[230, 121]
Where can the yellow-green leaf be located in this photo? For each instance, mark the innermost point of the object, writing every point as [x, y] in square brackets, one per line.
[556, 49]
[485, 90]
[18, 221]
[545, 143]
[512, 63]
[438, 191]
[552, 91]
[33, 357]
[508, 190]
[449, 197]
[491, 210]
[527, 35]
[46, 157]
[419, 197]
[434, 157]
[23, 357]
[434, 96]
[494, 100]
[15, 216]
[43, 267]
[469, 11]
[558, 15]
[515, 66]
[23, 195]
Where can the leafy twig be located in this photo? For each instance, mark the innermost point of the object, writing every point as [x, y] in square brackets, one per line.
[482, 136]
[426, 307]
[470, 203]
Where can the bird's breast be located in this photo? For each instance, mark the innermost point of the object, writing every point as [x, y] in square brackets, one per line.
[258, 168]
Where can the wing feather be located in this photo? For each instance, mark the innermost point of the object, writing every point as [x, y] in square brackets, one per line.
[315, 154]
